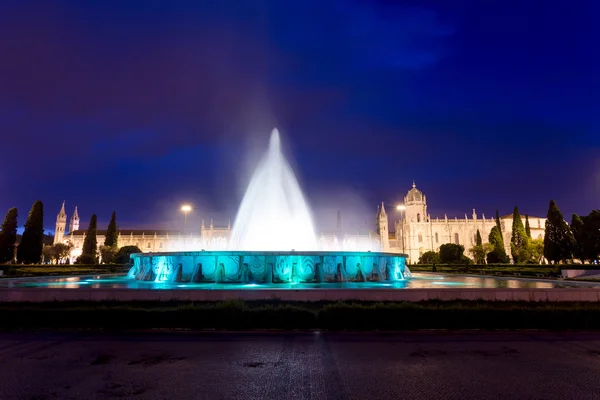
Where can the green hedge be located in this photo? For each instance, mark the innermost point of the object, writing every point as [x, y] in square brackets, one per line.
[237, 315]
[503, 269]
[17, 270]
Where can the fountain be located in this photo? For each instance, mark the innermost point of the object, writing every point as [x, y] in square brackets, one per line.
[272, 241]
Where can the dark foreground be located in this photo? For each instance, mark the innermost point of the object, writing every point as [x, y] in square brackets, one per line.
[300, 366]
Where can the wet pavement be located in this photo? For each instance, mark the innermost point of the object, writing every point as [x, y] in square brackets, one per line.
[433, 365]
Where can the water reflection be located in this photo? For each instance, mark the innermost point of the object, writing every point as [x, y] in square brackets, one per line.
[419, 281]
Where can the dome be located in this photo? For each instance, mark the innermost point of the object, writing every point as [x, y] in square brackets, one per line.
[414, 194]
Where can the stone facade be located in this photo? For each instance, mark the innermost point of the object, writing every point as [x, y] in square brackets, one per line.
[149, 240]
[417, 232]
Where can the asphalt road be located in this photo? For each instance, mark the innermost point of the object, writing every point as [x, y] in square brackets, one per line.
[300, 366]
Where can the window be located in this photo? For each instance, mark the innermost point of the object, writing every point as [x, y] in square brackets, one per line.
[160, 245]
[149, 245]
[456, 241]
[420, 238]
[418, 217]
[437, 239]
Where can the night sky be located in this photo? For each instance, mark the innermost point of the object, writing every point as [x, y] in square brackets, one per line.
[139, 106]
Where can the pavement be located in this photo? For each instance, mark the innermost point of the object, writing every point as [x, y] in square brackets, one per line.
[311, 365]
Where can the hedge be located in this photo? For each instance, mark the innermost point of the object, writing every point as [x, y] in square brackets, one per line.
[238, 315]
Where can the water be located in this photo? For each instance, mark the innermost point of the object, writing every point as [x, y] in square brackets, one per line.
[418, 281]
[273, 215]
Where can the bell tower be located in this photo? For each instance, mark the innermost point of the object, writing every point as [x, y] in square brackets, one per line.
[74, 223]
[61, 224]
[416, 205]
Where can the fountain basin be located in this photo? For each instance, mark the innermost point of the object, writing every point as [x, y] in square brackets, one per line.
[269, 267]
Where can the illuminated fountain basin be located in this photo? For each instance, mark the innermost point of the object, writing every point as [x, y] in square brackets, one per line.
[268, 267]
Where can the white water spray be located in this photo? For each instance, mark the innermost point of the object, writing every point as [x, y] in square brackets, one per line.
[273, 215]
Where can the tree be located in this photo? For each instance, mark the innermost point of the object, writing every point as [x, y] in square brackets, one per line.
[527, 226]
[111, 237]
[478, 251]
[536, 250]
[29, 250]
[90, 244]
[519, 241]
[62, 251]
[451, 253]
[108, 254]
[592, 227]
[558, 240]
[578, 230]
[48, 254]
[429, 257]
[8, 236]
[590, 236]
[497, 255]
[123, 256]
[499, 229]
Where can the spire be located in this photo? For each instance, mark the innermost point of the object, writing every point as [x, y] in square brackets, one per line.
[62, 209]
[414, 186]
[383, 209]
[74, 223]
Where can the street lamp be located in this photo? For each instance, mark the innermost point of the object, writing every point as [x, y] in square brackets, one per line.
[401, 208]
[186, 208]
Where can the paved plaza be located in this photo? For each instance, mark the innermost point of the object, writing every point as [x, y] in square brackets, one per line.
[436, 365]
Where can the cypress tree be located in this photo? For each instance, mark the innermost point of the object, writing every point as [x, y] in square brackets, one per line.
[478, 251]
[111, 233]
[499, 229]
[498, 254]
[518, 240]
[527, 226]
[29, 250]
[579, 234]
[8, 236]
[558, 240]
[90, 244]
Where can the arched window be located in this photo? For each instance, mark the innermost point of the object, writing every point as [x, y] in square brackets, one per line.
[160, 245]
[418, 217]
[540, 236]
[437, 239]
[149, 245]
[456, 241]
[420, 238]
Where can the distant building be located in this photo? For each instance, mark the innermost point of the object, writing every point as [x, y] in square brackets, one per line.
[148, 240]
[417, 232]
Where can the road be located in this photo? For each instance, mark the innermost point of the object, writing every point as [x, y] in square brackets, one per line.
[435, 365]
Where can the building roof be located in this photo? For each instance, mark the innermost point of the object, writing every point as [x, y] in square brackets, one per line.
[135, 232]
[509, 216]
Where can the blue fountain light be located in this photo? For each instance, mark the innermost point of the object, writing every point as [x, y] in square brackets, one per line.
[254, 267]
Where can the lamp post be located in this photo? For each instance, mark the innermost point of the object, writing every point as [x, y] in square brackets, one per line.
[401, 208]
[186, 208]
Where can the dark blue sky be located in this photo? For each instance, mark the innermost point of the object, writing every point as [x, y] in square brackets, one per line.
[139, 107]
